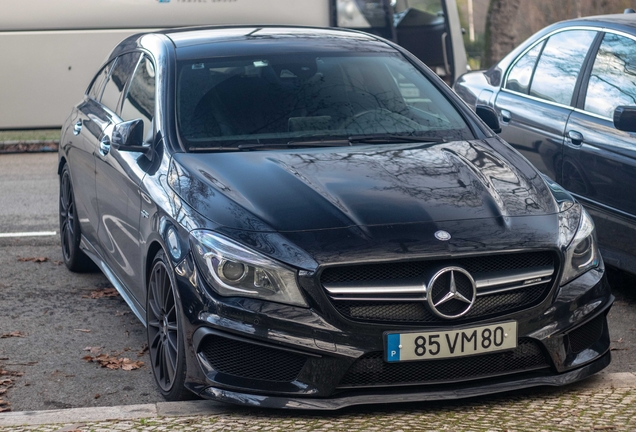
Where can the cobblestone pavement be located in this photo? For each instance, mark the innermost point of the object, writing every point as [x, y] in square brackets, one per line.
[604, 409]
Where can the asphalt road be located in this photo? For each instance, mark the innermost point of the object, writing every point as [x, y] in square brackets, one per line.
[51, 307]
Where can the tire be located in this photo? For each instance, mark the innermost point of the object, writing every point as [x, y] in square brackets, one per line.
[70, 235]
[165, 335]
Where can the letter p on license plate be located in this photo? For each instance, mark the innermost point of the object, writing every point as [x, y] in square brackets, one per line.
[451, 343]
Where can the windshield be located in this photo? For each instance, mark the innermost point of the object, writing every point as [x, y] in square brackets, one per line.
[295, 97]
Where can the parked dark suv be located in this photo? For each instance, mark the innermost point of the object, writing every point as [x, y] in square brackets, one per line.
[566, 99]
[310, 218]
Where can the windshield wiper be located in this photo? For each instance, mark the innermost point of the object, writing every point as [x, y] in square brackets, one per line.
[389, 139]
[335, 142]
[317, 143]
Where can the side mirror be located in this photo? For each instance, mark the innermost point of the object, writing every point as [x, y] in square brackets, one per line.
[489, 116]
[129, 136]
[625, 118]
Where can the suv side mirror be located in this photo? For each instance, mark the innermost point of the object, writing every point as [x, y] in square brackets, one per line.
[129, 136]
[489, 116]
[625, 118]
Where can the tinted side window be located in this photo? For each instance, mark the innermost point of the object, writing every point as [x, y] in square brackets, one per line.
[123, 69]
[419, 12]
[95, 90]
[613, 79]
[521, 72]
[140, 99]
[560, 64]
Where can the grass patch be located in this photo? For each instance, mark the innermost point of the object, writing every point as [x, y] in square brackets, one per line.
[30, 135]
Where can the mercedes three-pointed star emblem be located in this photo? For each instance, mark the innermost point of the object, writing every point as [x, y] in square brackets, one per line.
[444, 297]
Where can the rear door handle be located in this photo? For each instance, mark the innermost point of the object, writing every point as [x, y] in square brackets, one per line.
[104, 145]
[505, 116]
[77, 128]
[575, 137]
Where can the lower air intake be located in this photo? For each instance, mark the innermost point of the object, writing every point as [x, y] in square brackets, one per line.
[371, 370]
[246, 360]
[586, 335]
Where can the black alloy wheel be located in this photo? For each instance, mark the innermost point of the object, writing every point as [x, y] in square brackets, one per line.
[165, 338]
[70, 235]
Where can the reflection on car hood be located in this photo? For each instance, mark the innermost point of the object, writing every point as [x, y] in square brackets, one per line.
[329, 188]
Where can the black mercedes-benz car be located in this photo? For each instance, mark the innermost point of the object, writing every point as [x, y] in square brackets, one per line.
[566, 99]
[310, 218]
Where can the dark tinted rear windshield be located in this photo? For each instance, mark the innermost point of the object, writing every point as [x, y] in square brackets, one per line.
[282, 98]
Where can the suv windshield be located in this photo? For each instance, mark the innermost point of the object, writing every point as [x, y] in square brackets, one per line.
[222, 103]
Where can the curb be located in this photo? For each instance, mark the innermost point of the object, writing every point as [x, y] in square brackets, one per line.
[208, 408]
[122, 412]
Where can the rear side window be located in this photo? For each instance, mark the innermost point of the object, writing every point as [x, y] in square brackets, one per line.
[560, 64]
[123, 69]
[613, 79]
[95, 90]
[140, 98]
[521, 72]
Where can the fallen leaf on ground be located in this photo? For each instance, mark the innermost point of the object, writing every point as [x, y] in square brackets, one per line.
[9, 373]
[121, 313]
[112, 362]
[13, 334]
[3, 391]
[4, 406]
[619, 340]
[58, 262]
[143, 351]
[129, 365]
[83, 330]
[106, 292]
[97, 396]
[33, 259]
[93, 350]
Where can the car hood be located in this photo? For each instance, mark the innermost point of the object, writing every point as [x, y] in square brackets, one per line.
[299, 190]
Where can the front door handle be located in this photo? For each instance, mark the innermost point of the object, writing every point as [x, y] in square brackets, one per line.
[506, 116]
[77, 128]
[104, 145]
[575, 137]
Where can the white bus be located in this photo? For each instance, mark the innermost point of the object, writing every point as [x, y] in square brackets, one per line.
[50, 49]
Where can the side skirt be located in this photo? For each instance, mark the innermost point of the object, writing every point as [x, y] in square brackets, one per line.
[138, 309]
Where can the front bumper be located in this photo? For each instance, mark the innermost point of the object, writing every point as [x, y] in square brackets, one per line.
[257, 353]
[409, 395]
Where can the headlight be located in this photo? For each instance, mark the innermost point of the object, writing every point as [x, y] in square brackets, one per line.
[233, 270]
[576, 234]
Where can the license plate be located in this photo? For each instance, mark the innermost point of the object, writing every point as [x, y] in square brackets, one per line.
[451, 343]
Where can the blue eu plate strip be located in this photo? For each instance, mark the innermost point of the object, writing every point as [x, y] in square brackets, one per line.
[393, 347]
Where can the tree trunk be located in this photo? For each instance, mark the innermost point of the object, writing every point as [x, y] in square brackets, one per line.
[501, 31]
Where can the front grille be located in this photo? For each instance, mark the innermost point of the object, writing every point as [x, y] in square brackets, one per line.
[389, 309]
[371, 370]
[419, 312]
[243, 359]
[586, 335]
[417, 269]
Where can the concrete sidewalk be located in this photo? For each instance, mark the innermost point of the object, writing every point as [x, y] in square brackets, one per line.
[606, 402]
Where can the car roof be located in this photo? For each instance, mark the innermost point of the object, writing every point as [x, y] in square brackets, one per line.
[201, 42]
[625, 19]
[188, 36]
[229, 41]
